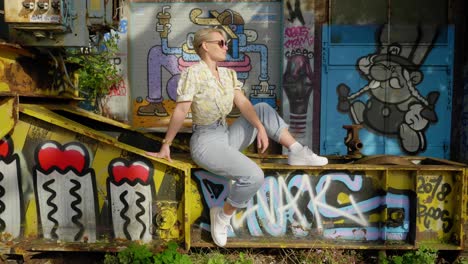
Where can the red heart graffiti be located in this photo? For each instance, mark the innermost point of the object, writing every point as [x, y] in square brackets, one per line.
[136, 170]
[4, 148]
[50, 155]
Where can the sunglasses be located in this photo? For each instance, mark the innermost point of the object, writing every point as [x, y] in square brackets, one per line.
[221, 43]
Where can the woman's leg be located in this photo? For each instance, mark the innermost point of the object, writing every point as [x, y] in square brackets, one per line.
[210, 150]
[242, 133]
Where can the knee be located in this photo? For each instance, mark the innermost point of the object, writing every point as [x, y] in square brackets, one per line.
[264, 110]
[259, 107]
[257, 178]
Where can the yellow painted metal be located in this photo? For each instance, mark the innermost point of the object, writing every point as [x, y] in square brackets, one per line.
[40, 123]
[177, 218]
[437, 201]
[8, 114]
[16, 79]
[43, 113]
[464, 211]
[71, 108]
[189, 201]
[95, 5]
[423, 180]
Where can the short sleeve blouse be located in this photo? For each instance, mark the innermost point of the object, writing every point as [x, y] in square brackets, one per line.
[212, 100]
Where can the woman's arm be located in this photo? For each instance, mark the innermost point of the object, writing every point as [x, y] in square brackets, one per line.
[177, 119]
[248, 111]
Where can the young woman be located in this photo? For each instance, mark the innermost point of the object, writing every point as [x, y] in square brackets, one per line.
[210, 91]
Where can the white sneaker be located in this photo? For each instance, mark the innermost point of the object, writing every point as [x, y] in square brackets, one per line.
[219, 228]
[306, 157]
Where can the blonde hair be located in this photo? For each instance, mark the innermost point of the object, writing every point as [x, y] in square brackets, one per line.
[202, 35]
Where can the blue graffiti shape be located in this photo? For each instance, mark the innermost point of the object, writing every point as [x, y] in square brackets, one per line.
[262, 49]
[54, 207]
[122, 214]
[281, 206]
[74, 205]
[336, 205]
[214, 188]
[139, 201]
[271, 217]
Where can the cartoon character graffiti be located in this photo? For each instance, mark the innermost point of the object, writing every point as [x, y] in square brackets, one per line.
[65, 189]
[298, 76]
[11, 205]
[297, 83]
[162, 58]
[131, 199]
[394, 107]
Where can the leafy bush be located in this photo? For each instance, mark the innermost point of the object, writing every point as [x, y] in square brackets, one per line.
[423, 255]
[171, 255]
[140, 254]
[96, 70]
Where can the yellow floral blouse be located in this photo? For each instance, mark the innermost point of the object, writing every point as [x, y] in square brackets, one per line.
[212, 100]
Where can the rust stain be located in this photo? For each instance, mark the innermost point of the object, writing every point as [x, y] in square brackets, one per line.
[8, 114]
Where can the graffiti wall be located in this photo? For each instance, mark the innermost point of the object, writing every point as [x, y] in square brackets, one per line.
[299, 90]
[390, 72]
[162, 35]
[464, 119]
[397, 89]
[62, 186]
[340, 205]
[78, 186]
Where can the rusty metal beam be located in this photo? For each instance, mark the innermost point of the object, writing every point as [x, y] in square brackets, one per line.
[45, 114]
[8, 114]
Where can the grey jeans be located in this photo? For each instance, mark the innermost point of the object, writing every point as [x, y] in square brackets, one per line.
[217, 148]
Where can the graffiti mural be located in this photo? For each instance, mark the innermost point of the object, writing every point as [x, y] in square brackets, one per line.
[464, 119]
[61, 186]
[11, 198]
[434, 192]
[169, 50]
[298, 75]
[395, 107]
[395, 85]
[330, 205]
[65, 190]
[131, 196]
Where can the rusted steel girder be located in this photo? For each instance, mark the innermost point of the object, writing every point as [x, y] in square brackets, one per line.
[378, 202]
[8, 114]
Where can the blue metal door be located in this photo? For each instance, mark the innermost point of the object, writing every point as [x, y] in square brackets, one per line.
[395, 81]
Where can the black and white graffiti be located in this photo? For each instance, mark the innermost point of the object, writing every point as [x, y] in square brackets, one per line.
[393, 106]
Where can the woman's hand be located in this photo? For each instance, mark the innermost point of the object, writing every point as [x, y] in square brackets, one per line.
[180, 111]
[164, 153]
[248, 111]
[262, 140]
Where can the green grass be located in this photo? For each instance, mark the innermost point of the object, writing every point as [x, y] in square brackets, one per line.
[142, 254]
